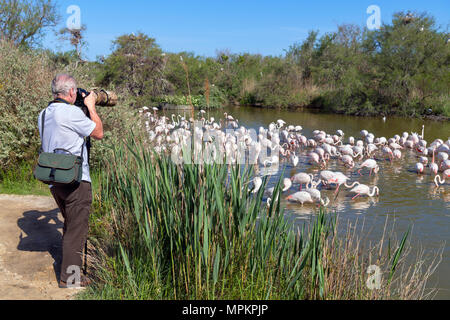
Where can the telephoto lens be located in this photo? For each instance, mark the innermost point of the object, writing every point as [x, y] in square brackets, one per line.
[105, 98]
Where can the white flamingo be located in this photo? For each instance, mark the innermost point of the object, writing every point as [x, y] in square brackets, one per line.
[363, 189]
[438, 180]
[341, 179]
[302, 178]
[369, 164]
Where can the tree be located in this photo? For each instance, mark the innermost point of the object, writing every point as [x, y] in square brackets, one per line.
[136, 65]
[23, 22]
[76, 38]
[412, 58]
[303, 54]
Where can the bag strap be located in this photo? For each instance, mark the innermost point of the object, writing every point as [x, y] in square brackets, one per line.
[42, 130]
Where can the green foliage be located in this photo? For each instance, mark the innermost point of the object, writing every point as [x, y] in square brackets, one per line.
[217, 99]
[23, 22]
[18, 179]
[135, 66]
[24, 91]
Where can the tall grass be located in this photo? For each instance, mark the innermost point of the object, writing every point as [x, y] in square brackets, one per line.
[164, 231]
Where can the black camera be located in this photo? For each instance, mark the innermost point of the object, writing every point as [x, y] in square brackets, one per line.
[103, 98]
[80, 99]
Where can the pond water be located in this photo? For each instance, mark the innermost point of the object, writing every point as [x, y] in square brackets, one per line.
[406, 198]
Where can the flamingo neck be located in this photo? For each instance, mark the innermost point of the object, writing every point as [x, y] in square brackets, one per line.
[438, 180]
[351, 186]
[375, 189]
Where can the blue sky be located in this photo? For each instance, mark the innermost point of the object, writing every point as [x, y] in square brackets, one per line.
[202, 27]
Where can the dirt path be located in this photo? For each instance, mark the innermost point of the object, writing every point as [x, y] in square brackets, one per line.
[30, 243]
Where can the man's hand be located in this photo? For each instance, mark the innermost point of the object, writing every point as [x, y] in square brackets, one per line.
[89, 101]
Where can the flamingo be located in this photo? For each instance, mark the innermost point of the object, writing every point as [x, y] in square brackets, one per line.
[348, 161]
[303, 197]
[294, 159]
[438, 180]
[369, 164]
[363, 189]
[419, 168]
[445, 165]
[397, 154]
[433, 166]
[388, 151]
[286, 186]
[327, 177]
[257, 184]
[300, 197]
[341, 179]
[314, 158]
[302, 178]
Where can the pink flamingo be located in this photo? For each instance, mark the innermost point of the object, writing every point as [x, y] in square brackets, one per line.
[341, 179]
[433, 166]
[397, 154]
[300, 197]
[362, 189]
[348, 161]
[369, 164]
[419, 168]
[302, 178]
[388, 151]
[327, 177]
[303, 197]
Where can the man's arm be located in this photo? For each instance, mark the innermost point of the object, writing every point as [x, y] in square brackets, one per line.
[89, 101]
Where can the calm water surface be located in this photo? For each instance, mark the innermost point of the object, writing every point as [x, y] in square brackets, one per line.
[406, 198]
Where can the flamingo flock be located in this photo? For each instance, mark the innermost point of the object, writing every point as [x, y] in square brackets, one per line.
[228, 141]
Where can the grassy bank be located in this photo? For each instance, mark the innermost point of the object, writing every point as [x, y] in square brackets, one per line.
[162, 231]
[19, 180]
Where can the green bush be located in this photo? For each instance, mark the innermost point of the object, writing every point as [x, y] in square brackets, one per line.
[25, 89]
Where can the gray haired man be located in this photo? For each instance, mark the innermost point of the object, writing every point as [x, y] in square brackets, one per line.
[66, 127]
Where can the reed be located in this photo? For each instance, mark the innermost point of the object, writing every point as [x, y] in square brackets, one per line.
[167, 231]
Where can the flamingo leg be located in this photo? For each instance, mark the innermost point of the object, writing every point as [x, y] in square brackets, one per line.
[337, 193]
[356, 196]
[370, 172]
[359, 171]
[337, 189]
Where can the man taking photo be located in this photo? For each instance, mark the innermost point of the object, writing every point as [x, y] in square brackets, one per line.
[66, 127]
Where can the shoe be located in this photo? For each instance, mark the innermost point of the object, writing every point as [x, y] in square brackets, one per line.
[84, 282]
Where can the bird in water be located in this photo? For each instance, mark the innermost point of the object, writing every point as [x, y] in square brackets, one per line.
[419, 168]
[302, 178]
[300, 197]
[363, 189]
[341, 179]
[369, 164]
[303, 197]
[438, 180]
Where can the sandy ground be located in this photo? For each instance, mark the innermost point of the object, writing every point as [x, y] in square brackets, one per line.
[30, 249]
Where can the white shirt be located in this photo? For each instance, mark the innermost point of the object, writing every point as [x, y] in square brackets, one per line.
[66, 126]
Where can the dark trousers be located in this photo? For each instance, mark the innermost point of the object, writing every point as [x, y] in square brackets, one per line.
[75, 205]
